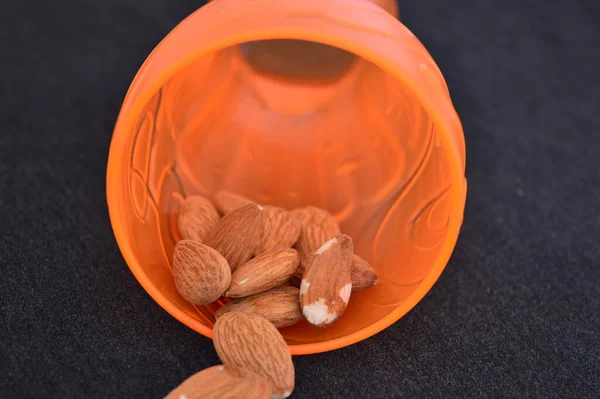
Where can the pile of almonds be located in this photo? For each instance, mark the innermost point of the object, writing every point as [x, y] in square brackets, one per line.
[279, 267]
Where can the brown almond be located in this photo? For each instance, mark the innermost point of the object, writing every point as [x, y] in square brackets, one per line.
[326, 285]
[318, 226]
[280, 229]
[266, 271]
[280, 305]
[237, 235]
[201, 274]
[227, 202]
[221, 382]
[362, 274]
[253, 343]
[197, 218]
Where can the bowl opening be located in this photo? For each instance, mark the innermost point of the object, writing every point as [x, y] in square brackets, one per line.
[349, 138]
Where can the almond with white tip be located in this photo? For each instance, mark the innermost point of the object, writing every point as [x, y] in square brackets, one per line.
[253, 343]
[280, 230]
[237, 235]
[318, 226]
[227, 202]
[197, 217]
[221, 382]
[326, 284]
[362, 275]
[201, 274]
[280, 305]
[264, 272]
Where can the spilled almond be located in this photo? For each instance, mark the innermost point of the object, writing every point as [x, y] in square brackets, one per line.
[221, 382]
[253, 343]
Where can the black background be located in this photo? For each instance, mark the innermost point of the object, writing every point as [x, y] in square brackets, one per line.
[515, 314]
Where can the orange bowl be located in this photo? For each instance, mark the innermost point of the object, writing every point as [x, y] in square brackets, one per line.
[334, 104]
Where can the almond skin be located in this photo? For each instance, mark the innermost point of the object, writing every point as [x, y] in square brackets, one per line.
[201, 274]
[237, 235]
[220, 382]
[227, 202]
[197, 218]
[253, 343]
[280, 229]
[280, 305]
[266, 271]
[318, 226]
[326, 284]
[362, 274]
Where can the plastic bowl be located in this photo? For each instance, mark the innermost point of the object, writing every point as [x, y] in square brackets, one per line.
[334, 104]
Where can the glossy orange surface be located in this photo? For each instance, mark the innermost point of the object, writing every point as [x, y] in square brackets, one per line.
[334, 104]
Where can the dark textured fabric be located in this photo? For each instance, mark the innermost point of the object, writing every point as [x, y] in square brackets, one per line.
[515, 314]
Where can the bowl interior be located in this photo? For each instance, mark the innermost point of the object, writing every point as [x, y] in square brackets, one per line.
[333, 131]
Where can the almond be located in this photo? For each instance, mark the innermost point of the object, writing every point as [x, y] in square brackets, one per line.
[266, 271]
[220, 382]
[197, 218]
[362, 274]
[253, 343]
[326, 285]
[237, 235]
[227, 202]
[280, 305]
[318, 226]
[201, 274]
[280, 229]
